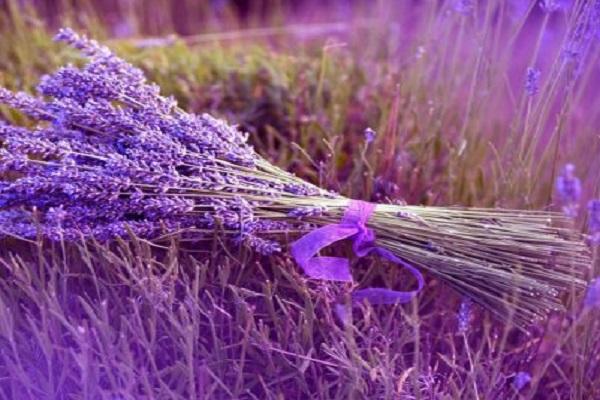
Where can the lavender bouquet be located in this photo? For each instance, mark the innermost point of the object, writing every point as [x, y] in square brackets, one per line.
[110, 157]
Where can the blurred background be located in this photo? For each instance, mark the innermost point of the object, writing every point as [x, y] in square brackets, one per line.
[187, 17]
[138, 17]
[448, 85]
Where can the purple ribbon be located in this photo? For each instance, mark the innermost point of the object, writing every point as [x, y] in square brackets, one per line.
[353, 225]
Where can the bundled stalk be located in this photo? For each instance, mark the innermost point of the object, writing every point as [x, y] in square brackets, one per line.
[110, 156]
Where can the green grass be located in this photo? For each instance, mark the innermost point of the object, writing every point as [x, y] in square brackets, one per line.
[136, 320]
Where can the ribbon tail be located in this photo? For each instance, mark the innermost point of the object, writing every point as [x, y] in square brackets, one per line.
[328, 268]
[415, 272]
[388, 296]
[331, 268]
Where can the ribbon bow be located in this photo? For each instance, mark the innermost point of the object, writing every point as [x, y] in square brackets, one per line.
[353, 224]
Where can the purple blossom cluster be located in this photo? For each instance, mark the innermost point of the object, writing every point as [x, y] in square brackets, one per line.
[594, 221]
[303, 212]
[532, 81]
[592, 296]
[568, 190]
[465, 315]
[521, 380]
[110, 156]
[369, 135]
[464, 7]
[581, 36]
[550, 6]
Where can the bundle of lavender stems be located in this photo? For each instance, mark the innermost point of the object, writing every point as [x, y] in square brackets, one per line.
[110, 157]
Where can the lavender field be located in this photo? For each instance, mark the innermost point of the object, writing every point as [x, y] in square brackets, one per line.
[171, 172]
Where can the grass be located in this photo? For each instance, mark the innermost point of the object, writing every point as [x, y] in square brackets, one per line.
[454, 127]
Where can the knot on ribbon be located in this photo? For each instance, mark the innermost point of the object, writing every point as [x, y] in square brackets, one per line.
[353, 225]
[357, 215]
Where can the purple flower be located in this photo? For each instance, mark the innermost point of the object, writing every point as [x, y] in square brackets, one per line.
[568, 190]
[594, 221]
[29, 105]
[580, 38]
[550, 6]
[465, 315]
[261, 246]
[464, 7]
[385, 187]
[592, 296]
[105, 69]
[532, 81]
[521, 380]
[369, 135]
[310, 211]
[119, 158]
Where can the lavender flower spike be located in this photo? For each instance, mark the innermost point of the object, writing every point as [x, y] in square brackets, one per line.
[550, 6]
[464, 7]
[568, 189]
[532, 81]
[521, 380]
[594, 221]
[592, 297]
[465, 314]
[369, 135]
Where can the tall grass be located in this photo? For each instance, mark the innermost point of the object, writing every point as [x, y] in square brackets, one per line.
[444, 91]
